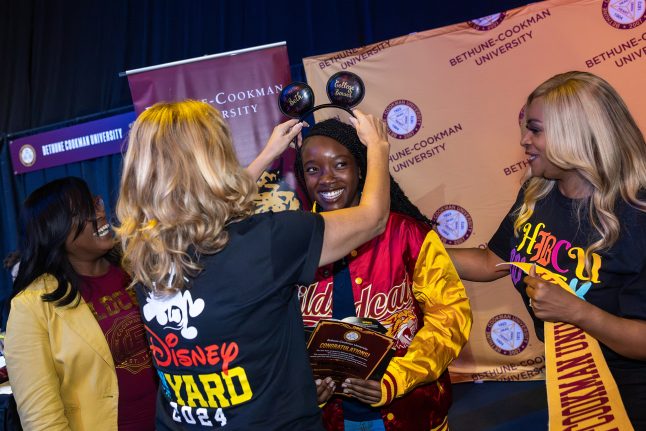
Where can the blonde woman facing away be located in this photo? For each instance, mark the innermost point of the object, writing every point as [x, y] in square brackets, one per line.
[216, 283]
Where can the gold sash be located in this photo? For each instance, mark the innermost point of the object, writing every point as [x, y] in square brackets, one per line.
[581, 392]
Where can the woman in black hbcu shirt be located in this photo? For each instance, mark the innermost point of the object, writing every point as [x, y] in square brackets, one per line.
[581, 215]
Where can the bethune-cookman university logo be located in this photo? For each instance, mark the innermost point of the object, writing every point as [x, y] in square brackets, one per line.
[454, 224]
[624, 14]
[487, 22]
[507, 334]
[403, 118]
[27, 155]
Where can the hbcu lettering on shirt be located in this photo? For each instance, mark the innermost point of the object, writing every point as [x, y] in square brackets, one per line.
[538, 245]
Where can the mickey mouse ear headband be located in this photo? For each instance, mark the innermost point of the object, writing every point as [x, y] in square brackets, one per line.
[344, 89]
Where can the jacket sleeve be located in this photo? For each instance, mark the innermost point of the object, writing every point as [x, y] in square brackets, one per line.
[447, 323]
[30, 364]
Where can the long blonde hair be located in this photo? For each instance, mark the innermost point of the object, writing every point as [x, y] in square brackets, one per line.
[181, 185]
[588, 128]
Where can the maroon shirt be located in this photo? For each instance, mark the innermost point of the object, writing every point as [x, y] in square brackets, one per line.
[117, 312]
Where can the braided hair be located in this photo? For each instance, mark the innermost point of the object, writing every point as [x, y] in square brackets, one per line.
[345, 135]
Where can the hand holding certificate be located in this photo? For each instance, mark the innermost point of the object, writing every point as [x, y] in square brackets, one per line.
[343, 350]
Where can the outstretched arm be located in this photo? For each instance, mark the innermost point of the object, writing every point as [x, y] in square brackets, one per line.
[477, 264]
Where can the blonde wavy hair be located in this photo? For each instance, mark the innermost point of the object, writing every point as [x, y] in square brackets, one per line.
[588, 128]
[181, 185]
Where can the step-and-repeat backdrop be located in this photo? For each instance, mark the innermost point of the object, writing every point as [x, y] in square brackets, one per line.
[452, 98]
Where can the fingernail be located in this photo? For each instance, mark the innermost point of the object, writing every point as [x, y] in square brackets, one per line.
[317, 381]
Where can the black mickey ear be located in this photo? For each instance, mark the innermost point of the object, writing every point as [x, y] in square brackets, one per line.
[296, 99]
[345, 89]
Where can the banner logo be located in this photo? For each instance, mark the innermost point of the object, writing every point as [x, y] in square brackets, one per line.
[404, 119]
[624, 14]
[454, 224]
[27, 155]
[487, 22]
[507, 334]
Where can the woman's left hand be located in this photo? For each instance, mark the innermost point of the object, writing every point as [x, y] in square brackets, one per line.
[367, 391]
[550, 302]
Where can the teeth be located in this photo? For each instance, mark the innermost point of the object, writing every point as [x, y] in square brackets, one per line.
[103, 230]
[333, 195]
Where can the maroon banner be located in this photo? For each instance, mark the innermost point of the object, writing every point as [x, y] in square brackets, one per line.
[243, 85]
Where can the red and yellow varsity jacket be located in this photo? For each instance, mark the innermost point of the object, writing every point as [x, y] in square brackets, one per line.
[405, 279]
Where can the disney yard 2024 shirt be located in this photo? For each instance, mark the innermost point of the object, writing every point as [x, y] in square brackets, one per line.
[230, 350]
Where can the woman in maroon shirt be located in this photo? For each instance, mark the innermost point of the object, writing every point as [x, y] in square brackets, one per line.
[75, 346]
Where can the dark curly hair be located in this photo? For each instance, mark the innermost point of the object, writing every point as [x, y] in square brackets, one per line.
[346, 135]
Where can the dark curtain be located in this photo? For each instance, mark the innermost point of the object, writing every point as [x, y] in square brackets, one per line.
[60, 60]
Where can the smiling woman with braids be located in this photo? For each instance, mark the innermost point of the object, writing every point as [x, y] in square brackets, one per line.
[426, 312]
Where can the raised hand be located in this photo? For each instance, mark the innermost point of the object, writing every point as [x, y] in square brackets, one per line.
[283, 134]
[369, 128]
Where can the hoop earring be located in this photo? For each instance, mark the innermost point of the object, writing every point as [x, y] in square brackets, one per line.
[314, 209]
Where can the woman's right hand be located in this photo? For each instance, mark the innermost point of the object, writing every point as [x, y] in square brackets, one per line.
[280, 138]
[369, 128]
[324, 389]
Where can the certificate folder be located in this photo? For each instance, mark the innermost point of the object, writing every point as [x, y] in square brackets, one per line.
[342, 350]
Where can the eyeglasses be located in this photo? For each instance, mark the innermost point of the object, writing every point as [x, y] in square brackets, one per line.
[98, 203]
[98, 206]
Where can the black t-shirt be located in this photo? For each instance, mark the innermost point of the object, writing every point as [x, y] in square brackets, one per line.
[230, 350]
[554, 239]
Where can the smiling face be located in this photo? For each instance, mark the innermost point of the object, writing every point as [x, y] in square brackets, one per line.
[90, 243]
[331, 173]
[535, 143]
